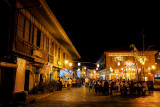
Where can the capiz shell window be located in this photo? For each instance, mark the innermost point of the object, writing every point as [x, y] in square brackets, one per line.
[118, 63]
[118, 58]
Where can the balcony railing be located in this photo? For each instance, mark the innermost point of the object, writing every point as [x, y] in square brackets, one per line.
[31, 50]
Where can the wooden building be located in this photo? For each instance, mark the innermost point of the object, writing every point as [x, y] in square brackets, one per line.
[33, 45]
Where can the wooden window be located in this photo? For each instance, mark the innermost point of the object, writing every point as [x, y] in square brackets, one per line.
[56, 50]
[59, 53]
[38, 37]
[44, 43]
[30, 32]
[26, 30]
[47, 44]
[20, 26]
[52, 48]
[32, 35]
[64, 56]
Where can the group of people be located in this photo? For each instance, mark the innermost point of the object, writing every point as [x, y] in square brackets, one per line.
[99, 86]
[66, 84]
[125, 87]
[135, 88]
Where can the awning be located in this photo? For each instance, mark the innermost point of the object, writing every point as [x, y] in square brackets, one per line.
[104, 71]
[66, 74]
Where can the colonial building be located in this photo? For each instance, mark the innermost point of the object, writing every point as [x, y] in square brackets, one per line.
[119, 64]
[33, 45]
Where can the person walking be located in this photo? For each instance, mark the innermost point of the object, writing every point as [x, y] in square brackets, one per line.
[117, 86]
[106, 87]
[139, 88]
[61, 79]
[112, 87]
[90, 85]
[144, 88]
[96, 87]
[131, 86]
[70, 83]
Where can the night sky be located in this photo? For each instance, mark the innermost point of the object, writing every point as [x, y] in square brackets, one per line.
[98, 26]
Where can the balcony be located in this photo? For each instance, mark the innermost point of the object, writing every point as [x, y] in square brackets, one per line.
[29, 50]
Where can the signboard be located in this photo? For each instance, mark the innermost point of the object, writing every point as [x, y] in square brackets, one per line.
[116, 71]
[130, 64]
[37, 53]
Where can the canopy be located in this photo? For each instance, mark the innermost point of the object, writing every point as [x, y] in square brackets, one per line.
[66, 74]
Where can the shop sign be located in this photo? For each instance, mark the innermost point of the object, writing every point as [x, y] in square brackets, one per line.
[37, 53]
[130, 64]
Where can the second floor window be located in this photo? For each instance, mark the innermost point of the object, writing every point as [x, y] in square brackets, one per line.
[38, 37]
[59, 53]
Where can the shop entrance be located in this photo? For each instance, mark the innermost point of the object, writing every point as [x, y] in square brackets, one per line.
[26, 88]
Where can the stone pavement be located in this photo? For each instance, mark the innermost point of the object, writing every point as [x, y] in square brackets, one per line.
[32, 98]
[81, 97]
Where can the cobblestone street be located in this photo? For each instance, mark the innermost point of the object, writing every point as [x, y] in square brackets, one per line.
[81, 97]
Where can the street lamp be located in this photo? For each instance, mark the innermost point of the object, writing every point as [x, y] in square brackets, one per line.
[70, 64]
[97, 65]
[79, 64]
[97, 69]
[153, 67]
[66, 62]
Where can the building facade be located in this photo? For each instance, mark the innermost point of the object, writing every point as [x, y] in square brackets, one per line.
[33, 46]
[124, 65]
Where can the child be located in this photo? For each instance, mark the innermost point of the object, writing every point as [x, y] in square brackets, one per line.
[65, 84]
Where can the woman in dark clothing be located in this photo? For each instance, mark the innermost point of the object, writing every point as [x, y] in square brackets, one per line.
[131, 86]
[96, 87]
[100, 87]
[112, 87]
[106, 87]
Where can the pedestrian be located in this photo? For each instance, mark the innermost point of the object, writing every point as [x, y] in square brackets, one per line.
[106, 87]
[69, 83]
[117, 86]
[60, 85]
[61, 79]
[90, 85]
[112, 86]
[86, 82]
[144, 88]
[149, 87]
[131, 86]
[96, 87]
[65, 84]
[139, 88]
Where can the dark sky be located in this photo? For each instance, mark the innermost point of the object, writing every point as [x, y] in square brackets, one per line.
[98, 26]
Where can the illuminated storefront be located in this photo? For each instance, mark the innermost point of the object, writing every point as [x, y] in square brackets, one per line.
[65, 74]
[124, 65]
